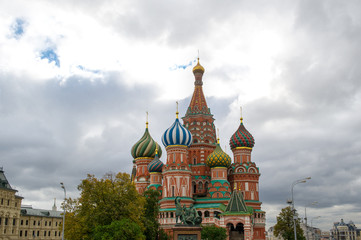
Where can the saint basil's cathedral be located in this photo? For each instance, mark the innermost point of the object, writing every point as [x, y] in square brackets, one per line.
[197, 170]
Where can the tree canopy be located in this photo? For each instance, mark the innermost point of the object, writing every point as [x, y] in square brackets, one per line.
[214, 233]
[284, 226]
[110, 208]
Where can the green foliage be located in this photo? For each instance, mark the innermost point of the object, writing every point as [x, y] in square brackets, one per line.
[163, 235]
[103, 204]
[151, 213]
[213, 233]
[119, 230]
[284, 227]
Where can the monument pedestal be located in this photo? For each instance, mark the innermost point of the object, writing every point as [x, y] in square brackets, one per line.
[185, 232]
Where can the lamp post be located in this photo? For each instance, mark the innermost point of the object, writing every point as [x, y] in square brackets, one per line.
[313, 203]
[312, 226]
[63, 187]
[303, 180]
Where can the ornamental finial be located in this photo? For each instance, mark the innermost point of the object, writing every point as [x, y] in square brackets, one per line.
[241, 115]
[177, 110]
[146, 123]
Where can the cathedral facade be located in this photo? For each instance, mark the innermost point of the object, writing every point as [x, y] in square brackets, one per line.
[197, 170]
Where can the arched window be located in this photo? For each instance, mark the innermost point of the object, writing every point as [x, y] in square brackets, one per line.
[200, 213]
[194, 160]
[194, 188]
[206, 214]
[200, 185]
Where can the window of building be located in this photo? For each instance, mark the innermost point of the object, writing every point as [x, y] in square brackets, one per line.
[34, 223]
[172, 191]
[55, 233]
[46, 223]
[26, 233]
[38, 223]
[49, 223]
[206, 214]
[2, 201]
[38, 233]
[33, 233]
[6, 221]
[194, 188]
[44, 233]
[14, 222]
[8, 202]
[27, 222]
[49, 234]
[21, 222]
[0, 220]
[200, 186]
[21, 233]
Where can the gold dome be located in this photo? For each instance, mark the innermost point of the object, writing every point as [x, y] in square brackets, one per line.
[198, 68]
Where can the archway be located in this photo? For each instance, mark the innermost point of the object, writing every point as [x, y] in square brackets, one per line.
[235, 233]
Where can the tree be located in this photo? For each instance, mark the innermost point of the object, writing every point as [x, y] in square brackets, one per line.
[104, 205]
[284, 226]
[119, 230]
[214, 233]
[151, 214]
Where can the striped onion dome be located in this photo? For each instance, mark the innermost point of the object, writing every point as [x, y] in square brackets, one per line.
[177, 135]
[218, 158]
[241, 138]
[155, 165]
[145, 147]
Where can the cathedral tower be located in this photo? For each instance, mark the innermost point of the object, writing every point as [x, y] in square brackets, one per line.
[143, 153]
[200, 122]
[177, 174]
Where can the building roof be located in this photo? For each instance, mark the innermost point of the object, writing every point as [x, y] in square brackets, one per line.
[236, 204]
[4, 183]
[29, 211]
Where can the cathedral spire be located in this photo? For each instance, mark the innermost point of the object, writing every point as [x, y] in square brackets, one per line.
[198, 104]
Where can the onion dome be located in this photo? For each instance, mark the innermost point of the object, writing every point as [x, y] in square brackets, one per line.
[198, 68]
[177, 135]
[146, 146]
[218, 158]
[241, 138]
[156, 165]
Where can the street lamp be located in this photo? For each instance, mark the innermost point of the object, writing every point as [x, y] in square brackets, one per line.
[313, 203]
[303, 180]
[63, 187]
[312, 225]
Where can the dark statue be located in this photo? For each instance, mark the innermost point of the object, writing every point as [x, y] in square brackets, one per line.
[187, 216]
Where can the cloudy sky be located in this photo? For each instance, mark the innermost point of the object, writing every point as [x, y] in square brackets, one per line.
[76, 78]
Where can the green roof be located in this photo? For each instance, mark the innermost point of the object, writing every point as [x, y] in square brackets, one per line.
[236, 204]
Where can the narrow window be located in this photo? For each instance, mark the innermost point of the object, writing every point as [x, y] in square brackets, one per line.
[172, 191]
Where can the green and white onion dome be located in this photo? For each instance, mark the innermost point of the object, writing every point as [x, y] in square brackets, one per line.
[145, 147]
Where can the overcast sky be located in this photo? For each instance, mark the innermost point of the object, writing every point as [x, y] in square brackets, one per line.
[76, 78]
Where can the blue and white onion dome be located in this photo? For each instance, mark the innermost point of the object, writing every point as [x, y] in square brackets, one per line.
[177, 135]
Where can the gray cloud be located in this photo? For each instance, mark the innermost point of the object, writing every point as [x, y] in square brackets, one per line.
[56, 131]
